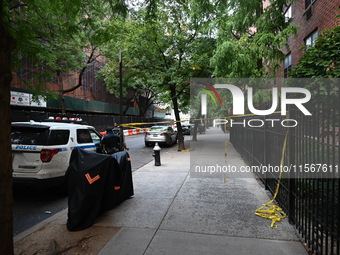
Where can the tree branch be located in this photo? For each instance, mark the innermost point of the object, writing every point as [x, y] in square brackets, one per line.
[182, 90]
[236, 36]
[80, 78]
[162, 53]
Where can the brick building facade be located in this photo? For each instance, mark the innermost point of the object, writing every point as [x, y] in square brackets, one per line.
[312, 17]
[92, 88]
[92, 96]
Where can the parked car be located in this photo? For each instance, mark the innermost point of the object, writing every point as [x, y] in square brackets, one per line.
[161, 134]
[187, 129]
[41, 150]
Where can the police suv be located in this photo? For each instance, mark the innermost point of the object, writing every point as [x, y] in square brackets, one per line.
[41, 150]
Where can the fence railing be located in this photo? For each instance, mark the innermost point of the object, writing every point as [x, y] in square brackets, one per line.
[309, 191]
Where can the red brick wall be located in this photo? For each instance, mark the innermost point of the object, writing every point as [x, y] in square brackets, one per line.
[323, 16]
[92, 88]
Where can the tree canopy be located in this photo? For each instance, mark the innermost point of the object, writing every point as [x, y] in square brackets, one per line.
[58, 39]
[161, 52]
[250, 37]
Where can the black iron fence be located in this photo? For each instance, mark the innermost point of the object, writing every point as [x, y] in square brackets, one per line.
[309, 191]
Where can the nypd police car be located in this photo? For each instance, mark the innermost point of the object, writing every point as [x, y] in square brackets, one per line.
[41, 150]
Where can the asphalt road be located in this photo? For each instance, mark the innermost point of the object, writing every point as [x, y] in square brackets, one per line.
[33, 205]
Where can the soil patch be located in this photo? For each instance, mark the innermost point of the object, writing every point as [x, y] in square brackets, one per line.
[56, 239]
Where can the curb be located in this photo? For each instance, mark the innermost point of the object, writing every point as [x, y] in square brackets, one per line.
[38, 226]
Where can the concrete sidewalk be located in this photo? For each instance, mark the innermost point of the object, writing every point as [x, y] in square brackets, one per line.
[173, 213]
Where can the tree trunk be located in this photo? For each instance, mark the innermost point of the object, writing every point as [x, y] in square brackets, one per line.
[7, 45]
[181, 145]
[143, 109]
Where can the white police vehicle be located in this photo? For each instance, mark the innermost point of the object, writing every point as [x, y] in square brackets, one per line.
[41, 150]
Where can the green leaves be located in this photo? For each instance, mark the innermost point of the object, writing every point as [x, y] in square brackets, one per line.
[250, 38]
[323, 59]
[161, 52]
[61, 36]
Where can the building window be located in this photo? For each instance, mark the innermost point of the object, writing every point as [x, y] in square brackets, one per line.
[288, 14]
[288, 65]
[308, 8]
[310, 40]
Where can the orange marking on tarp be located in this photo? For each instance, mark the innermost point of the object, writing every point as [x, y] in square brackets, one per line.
[92, 180]
[116, 187]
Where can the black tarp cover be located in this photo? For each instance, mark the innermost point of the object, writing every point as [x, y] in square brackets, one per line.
[96, 182]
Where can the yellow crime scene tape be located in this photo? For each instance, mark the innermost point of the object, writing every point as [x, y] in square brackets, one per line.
[274, 212]
[137, 125]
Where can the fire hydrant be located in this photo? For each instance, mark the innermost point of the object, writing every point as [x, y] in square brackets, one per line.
[157, 154]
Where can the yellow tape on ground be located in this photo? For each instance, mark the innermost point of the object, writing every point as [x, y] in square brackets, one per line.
[274, 212]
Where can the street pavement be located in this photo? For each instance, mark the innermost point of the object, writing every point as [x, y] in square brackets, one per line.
[177, 211]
